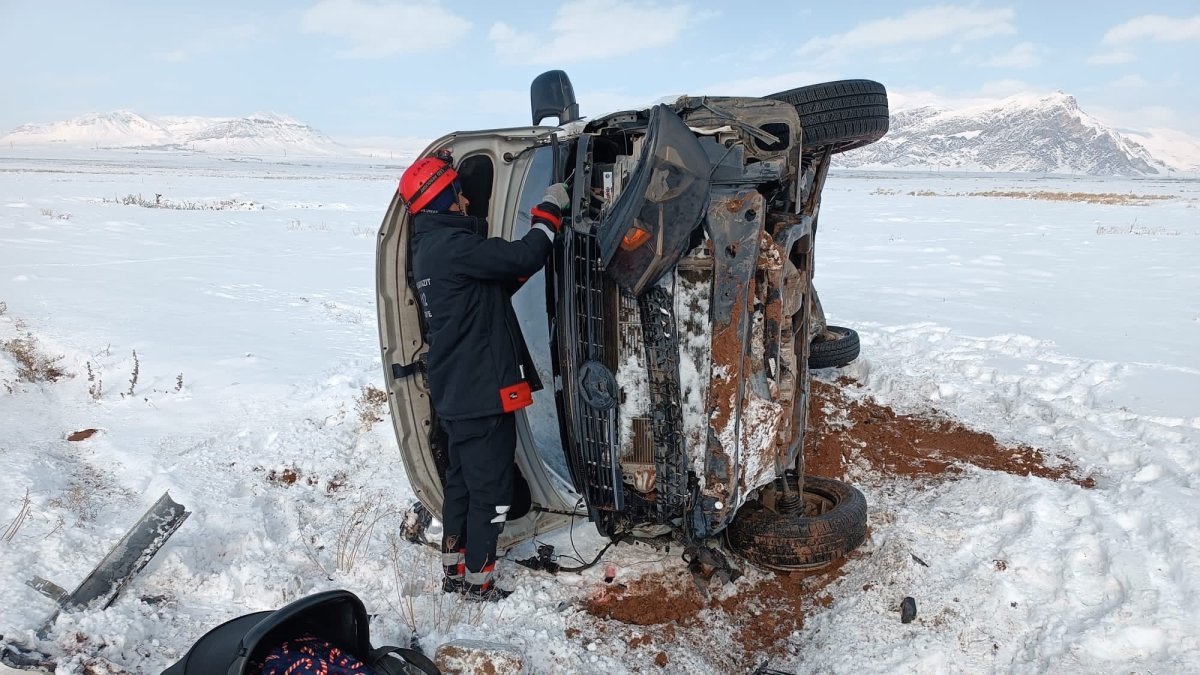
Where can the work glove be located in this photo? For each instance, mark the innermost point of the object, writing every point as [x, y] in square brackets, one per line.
[550, 211]
[557, 195]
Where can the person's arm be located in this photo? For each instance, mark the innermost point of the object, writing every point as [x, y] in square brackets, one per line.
[496, 259]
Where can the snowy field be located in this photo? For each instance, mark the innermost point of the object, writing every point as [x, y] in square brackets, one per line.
[1065, 325]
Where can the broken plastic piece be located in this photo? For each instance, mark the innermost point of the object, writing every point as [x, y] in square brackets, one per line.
[634, 238]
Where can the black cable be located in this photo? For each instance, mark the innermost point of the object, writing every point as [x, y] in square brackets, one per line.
[571, 535]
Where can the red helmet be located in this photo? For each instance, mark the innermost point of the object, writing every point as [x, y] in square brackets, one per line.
[424, 180]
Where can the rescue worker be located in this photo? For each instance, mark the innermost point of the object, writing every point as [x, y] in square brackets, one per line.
[480, 371]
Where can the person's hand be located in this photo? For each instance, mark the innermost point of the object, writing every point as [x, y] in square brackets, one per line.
[557, 195]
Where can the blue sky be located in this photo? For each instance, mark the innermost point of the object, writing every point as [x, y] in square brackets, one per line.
[395, 68]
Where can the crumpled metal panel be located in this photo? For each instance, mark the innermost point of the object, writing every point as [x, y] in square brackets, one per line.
[735, 227]
[649, 226]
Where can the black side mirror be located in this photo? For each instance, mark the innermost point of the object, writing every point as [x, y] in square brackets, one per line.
[551, 95]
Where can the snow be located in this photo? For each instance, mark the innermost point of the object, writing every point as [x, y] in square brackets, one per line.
[1049, 323]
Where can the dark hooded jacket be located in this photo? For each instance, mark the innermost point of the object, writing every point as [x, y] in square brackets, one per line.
[478, 362]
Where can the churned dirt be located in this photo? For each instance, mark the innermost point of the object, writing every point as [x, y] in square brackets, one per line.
[846, 429]
[737, 626]
[666, 608]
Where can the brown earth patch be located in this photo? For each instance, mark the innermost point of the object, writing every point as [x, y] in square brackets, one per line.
[82, 435]
[757, 618]
[647, 601]
[286, 476]
[843, 429]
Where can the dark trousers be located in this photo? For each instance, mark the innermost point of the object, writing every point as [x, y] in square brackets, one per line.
[479, 487]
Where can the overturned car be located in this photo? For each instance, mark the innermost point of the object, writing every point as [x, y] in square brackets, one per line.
[674, 320]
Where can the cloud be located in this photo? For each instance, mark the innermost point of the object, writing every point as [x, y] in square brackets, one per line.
[210, 41]
[761, 85]
[380, 29]
[1110, 58]
[1003, 88]
[959, 24]
[1154, 27]
[1142, 117]
[1129, 81]
[1024, 55]
[594, 28]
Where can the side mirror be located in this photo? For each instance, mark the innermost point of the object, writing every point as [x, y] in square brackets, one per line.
[551, 95]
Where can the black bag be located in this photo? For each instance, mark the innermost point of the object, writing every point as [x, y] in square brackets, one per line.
[336, 616]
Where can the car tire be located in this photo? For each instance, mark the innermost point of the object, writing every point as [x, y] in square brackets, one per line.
[795, 540]
[834, 353]
[840, 115]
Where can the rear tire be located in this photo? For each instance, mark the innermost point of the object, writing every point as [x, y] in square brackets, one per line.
[840, 115]
[833, 523]
[834, 353]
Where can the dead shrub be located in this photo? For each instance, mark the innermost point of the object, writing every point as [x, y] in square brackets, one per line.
[370, 405]
[32, 364]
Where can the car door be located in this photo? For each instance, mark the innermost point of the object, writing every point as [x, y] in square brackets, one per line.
[493, 167]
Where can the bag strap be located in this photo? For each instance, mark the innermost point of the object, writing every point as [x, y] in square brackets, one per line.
[401, 661]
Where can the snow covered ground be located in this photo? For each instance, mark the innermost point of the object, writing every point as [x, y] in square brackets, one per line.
[1070, 326]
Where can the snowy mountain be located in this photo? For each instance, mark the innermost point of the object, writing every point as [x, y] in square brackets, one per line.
[1179, 151]
[257, 134]
[1046, 134]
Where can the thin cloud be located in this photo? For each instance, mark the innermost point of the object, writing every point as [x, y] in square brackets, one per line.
[594, 28]
[1110, 58]
[1003, 88]
[1129, 81]
[962, 24]
[1154, 27]
[1024, 55]
[211, 41]
[381, 29]
[761, 85]
[1143, 117]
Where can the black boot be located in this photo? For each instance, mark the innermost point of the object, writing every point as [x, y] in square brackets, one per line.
[488, 592]
[453, 585]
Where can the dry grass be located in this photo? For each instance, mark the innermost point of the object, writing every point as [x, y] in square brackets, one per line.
[353, 537]
[420, 602]
[1108, 198]
[371, 405]
[1120, 198]
[78, 500]
[58, 215]
[95, 383]
[160, 202]
[19, 519]
[33, 365]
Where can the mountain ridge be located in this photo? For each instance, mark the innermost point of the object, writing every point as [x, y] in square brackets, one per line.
[1047, 133]
[257, 133]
